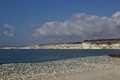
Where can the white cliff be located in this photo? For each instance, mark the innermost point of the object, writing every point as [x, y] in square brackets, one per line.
[77, 46]
[87, 44]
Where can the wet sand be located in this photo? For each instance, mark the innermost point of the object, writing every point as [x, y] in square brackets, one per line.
[83, 68]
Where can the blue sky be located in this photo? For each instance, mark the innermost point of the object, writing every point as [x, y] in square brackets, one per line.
[26, 22]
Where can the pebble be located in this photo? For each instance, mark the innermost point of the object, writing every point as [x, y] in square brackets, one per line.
[45, 70]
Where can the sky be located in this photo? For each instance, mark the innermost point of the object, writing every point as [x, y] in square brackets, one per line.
[27, 22]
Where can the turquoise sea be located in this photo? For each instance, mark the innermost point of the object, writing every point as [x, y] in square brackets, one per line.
[44, 55]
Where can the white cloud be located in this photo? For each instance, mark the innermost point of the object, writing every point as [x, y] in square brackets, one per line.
[32, 25]
[82, 25]
[8, 34]
[9, 30]
[116, 18]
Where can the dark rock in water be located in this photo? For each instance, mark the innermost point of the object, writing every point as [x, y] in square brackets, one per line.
[114, 55]
[1, 63]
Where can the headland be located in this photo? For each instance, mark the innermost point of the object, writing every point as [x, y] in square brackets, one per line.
[86, 44]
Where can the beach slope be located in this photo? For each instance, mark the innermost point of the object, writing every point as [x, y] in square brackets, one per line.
[83, 68]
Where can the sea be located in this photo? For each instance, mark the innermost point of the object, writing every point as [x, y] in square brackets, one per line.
[45, 55]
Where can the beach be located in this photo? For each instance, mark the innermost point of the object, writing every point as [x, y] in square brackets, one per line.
[82, 68]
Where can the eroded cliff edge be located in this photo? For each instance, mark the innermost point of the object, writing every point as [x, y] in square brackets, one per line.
[86, 44]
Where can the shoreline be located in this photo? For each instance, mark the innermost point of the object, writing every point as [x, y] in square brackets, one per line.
[85, 44]
[70, 69]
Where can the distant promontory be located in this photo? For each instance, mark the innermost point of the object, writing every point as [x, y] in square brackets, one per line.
[86, 44]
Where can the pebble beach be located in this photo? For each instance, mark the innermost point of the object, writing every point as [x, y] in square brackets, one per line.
[82, 68]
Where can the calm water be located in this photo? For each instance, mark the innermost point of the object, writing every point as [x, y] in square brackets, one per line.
[14, 56]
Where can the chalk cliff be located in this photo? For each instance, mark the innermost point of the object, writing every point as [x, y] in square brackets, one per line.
[86, 44]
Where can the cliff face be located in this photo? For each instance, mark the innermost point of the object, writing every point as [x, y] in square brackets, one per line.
[57, 46]
[77, 46]
[101, 46]
[87, 44]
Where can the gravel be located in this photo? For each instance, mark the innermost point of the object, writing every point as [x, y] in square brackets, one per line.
[54, 69]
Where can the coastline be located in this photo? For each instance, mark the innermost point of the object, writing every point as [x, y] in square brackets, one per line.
[86, 44]
[83, 68]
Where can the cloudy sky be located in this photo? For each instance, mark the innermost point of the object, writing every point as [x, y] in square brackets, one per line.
[26, 22]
